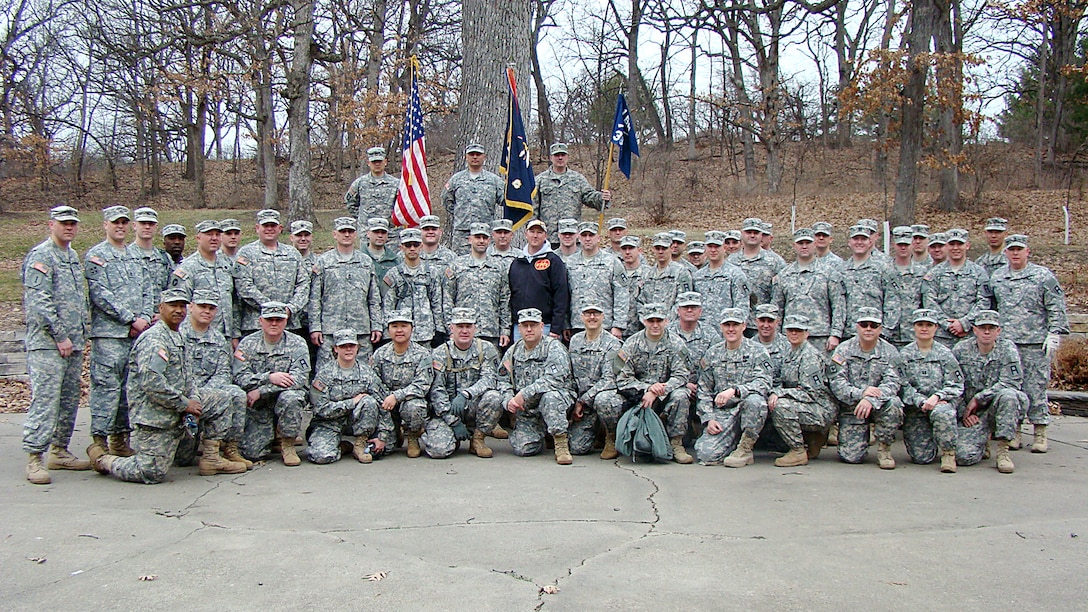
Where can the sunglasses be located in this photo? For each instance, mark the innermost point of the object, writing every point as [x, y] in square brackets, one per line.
[868, 324]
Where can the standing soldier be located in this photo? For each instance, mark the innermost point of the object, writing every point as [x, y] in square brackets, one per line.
[617, 230]
[561, 192]
[799, 403]
[232, 238]
[821, 234]
[473, 195]
[162, 392]
[697, 334]
[57, 323]
[869, 283]
[776, 345]
[996, 229]
[592, 353]
[721, 284]
[955, 290]
[919, 245]
[156, 263]
[655, 372]
[345, 394]
[269, 271]
[374, 193]
[432, 251]
[482, 283]
[404, 368]
[416, 288]
[759, 266]
[466, 375]
[302, 238]
[732, 243]
[173, 242]
[501, 234]
[209, 269]
[383, 257]
[910, 284]
[664, 280]
[734, 380]
[273, 368]
[936, 248]
[597, 277]
[697, 254]
[814, 291]
[568, 239]
[931, 386]
[537, 388]
[676, 249]
[634, 269]
[344, 294]
[120, 311]
[1032, 307]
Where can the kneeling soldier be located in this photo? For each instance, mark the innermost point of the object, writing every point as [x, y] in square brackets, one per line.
[800, 404]
[404, 368]
[592, 354]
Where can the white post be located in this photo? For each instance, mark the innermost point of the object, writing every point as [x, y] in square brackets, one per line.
[1066, 209]
[793, 222]
[887, 237]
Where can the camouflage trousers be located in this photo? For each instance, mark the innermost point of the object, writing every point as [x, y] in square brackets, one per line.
[745, 416]
[791, 417]
[109, 377]
[411, 414]
[222, 418]
[1036, 368]
[483, 412]
[925, 434]
[285, 407]
[156, 449]
[607, 406]
[325, 431]
[998, 420]
[437, 439]
[854, 432]
[54, 385]
[325, 355]
[546, 414]
[673, 410]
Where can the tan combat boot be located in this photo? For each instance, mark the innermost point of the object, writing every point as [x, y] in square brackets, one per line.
[814, 442]
[358, 450]
[610, 451]
[833, 435]
[98, 447]
[119, 446]
[287, 452]
[679, 453]
[35, 470]
[884, 456]
[796, 456]
[478, 445]
[499, 433]
[103, 463]
[211, 463]
[743, 454]
[231, 453]
[562, 450]
[1017, 442]
[412, 437]
[986, 450]
[60, 459]
[948, 461]
[1039, 444]
[1004, 462]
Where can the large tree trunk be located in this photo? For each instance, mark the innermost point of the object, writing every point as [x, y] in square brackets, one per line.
[300, 181]
[642, 100]
[844, 126]
[948, 40]
[880, 155]
[913, 123]
[747, 122]
[541, 15]
[691, 97]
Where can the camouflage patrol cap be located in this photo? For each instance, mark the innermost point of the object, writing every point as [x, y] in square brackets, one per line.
[273, 310]
[859, 230]
[479, 229]
[733, 315]
[475, 148]
[753, 224]
[502, 225]
[696, 246]
[996, 224]
[870, 224]
[113, 213]
[868, 313]
[617, 223]
[901, 234]
[145, 214]
[766, 228]
[174, 229]
[345, 336]
[463, 315]
[678, 236]
[1016, 241]
[345, 223]
[957, 235]
[630, 241]
[653, 310]
[208, 225]
[530, 315]
[767, 311]
[802, 234]
[588, 227]
[919, 229]
[921, 315]
[592, 306]
[662, 240]
[230, 225]
[988, 317]
[714, 237]
[267, 216]
[377, 224]
[399, 316]
[568, 226]
[205, 296]
[558, 148]
[732, 235]
[689, 298]
[822, 227]
[411, 234]
[298, 227]
[937, 238]
[174, 294]
[375, 153]
[429, 221]
[796, 321]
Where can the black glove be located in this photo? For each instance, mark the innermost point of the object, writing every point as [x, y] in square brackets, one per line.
[460, 432]
[457, 406]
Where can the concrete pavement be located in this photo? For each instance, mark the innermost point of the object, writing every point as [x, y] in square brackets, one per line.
[468, 533]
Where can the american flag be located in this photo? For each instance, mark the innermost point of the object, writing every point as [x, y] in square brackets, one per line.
[413, 198]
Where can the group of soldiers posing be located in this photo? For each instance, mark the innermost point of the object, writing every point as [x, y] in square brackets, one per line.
[422, 345]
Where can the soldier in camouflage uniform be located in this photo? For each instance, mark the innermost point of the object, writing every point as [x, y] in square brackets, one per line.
[931, 386]
[374, 193]
[734, 379]
[759, 266]
[1032, 307]
[597, 277]
[57, 323]
[996, 229]
[592, 354]
[302, 238]
[664, 280]
[696, 334]
[655, 373]
[868, 283]
[383, 257]
[405, 369]
[634, 269]
[956, 290]
[538, 389]
[344, 294]
[617, 231]
[209, 269]
[502, 233]
[472, 195]
[919, 245]
[676, 250]
[120, 310]
[232, 237]
[696, 254]
[416, 288]
[721, 284]
[732, 243]
[209, 355]
[821, 234]
[567, 245]
[936, 248]
[156, 263]
[799, 402]
[173, 242]
[561, 192]
[432, 252]
[864, 379]
[345, 393]
[994, 402]
[269, 271]
[481, 282]
[813, 290]
[273, 368]
[910, 284]
[768, 337]
[466, 377]
[162, 392]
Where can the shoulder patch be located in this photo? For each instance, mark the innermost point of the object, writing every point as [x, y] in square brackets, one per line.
[542, 264]
[927, 277]
[449, 273]
[239, 355]
[180, 273]
[242, 261]
[437, 364]
[163, 355]
[622, 355]
[387, 280]
[320, 386]
[96, 260]
[837, 358]
[315, 270]
[40, 267]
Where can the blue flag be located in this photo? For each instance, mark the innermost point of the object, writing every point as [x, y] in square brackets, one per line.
[623, 135]
[520, 181]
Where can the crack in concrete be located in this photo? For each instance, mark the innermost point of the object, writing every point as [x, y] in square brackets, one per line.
[178, 514]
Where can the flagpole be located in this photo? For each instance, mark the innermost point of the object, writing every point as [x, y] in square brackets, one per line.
[607, 180]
